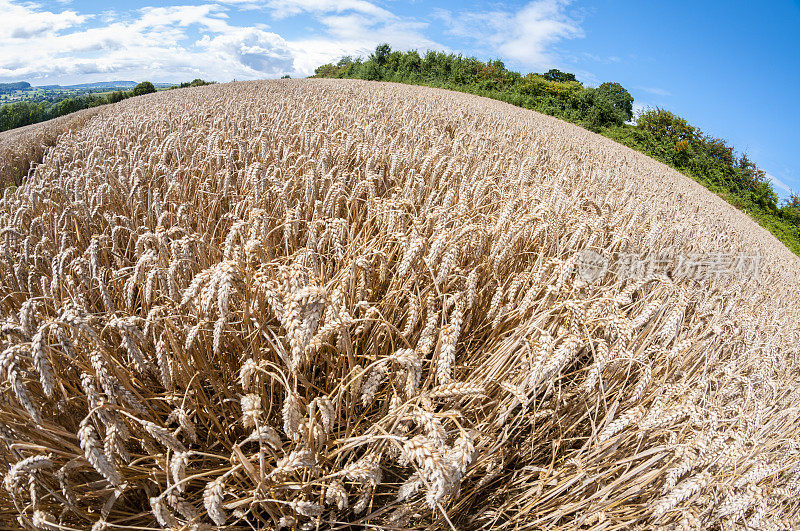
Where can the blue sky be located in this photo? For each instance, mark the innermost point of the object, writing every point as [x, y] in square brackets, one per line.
[730, 67]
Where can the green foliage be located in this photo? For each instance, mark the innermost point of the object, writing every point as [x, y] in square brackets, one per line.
[372, 71]
[605, 109]
[23, 113]
[145, 87]
[620, 98]
[381, 54]
[559, 76]
[197, 83]
[540, 87]
[790, 211]
[193, 83]
[665, 124]
[600, 110]
[114, 97]
[411, 63]
[19, 114]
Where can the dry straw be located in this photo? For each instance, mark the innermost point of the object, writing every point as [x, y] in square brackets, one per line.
[318, 304]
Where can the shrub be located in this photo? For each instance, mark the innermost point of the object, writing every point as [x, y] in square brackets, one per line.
[145, 87]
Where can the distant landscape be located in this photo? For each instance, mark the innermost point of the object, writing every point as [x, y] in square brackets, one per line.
[23, 104]
[24, 91]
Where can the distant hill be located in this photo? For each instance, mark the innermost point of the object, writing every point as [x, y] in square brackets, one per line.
[5, 88]
[103, 85]
[97, 85]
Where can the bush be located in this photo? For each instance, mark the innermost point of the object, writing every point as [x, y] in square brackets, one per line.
[145, 87]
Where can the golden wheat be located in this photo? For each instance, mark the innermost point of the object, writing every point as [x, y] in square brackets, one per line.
[22, 148]
[326, 303]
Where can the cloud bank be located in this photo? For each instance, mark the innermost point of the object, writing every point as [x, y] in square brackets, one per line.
[242, 39]
[525, 36]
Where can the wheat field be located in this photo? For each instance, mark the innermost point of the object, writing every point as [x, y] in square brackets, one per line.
[330, 304]
[23, 147]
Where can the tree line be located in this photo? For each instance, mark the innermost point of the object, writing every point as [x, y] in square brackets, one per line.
[18, 114]
[606, 109]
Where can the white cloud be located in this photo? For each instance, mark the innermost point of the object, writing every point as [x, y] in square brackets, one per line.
[638, 109]
[45, 45]
[350, 27]
[525, 36]
[779, 185]
[600, 59]
[654, 90]
[287, 8]
[311, 53]
[346, 26]
[533, 29]
[207, 16]
[155, 43]
[176, 42]
[261, 53]
[23, 21]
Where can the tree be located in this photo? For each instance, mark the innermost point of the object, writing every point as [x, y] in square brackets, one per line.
[115, 96]
[791, 209]
[793, 202]
[411, 62]
[393, 61]
[8, 88]
[751, 172]
[371, 71]
[599, 109]
[500, 65]
[664, 124]
[557, 75]
[718, 150]
[145, 87]
[619, 97]
[197, 82]
[328, 70]
[381, 54]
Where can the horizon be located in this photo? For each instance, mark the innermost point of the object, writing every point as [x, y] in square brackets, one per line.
[155, 82]
[734, 89]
